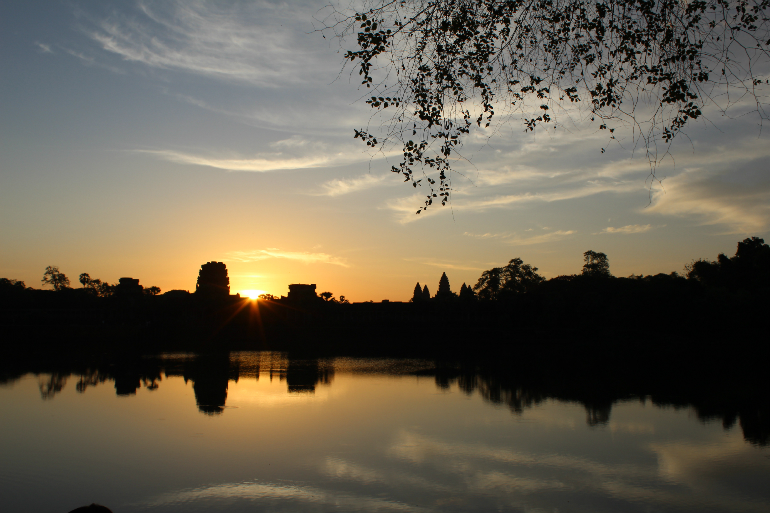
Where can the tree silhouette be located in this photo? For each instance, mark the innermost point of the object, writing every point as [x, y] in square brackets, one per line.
[489, 284]
[515, 278]
[85, 279]
[748, 269]
[518, 277]
[11, 286]
[596, 264]
[55, 278]
[647, 65]
[327, 296]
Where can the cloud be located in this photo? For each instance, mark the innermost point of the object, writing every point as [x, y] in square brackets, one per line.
[278, 497]
[240, 43]
[91, 61]
[43, 47]
[338, 187]
[628, 229]
[446, 265]
[486, 235]
[407, 206]
[301, 256]
[712, 199]
[541, 239]
[261, 163]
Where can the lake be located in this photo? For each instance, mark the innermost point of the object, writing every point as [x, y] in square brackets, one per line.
[257, 431]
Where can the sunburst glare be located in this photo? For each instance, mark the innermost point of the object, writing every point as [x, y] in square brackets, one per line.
[252, 293]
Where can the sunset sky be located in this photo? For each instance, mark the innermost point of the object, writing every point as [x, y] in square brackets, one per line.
[144, 139]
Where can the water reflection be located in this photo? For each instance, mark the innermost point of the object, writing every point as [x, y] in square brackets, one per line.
[712, 400]
[270, 432]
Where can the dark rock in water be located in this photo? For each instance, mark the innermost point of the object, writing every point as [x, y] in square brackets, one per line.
[93, 508]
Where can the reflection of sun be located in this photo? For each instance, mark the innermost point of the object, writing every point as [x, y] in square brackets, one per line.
[253, 294]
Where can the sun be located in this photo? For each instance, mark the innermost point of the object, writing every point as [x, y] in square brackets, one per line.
[252, 293]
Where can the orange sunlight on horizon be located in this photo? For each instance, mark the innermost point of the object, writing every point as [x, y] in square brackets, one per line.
[252, 293]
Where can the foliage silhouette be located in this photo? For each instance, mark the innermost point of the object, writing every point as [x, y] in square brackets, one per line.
[650, 66]
[55, 278]
[748, 269]
[596, 265]
[489, 284]
[515, 278]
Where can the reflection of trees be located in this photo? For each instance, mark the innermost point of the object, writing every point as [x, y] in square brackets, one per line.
[52, 385]
[497, 389]
[91, 378]
[598, 412]
[732, 399]
[522, 389]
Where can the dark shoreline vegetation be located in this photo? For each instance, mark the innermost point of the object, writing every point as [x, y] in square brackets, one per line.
[695, 341]
[717, 311]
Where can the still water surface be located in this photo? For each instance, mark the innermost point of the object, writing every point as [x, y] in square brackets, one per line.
[258, 432]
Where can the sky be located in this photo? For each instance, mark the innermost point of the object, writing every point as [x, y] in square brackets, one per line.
[143, 139]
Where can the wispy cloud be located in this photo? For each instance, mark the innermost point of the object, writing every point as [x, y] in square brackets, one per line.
[301, 256]
[43, 47]
[261, 163]
[628, 229]
[341, 186]
[486, 235]
[713, 200]
[88, 60]
[540, 239]
[407, 206]
[233, 41]
[449, 265]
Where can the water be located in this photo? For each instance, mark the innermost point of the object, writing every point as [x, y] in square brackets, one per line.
[258, 432]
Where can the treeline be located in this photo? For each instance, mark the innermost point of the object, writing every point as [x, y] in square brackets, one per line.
[511, 311]
[59, 282]
[747, 271]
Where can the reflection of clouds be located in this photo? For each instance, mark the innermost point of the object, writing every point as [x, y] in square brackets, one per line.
[704, 466]
[277, 497]
[341, 469]
[634, 428]
[687, 476]
[487, 481]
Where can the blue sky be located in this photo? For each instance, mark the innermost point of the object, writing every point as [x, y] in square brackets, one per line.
[145, 138]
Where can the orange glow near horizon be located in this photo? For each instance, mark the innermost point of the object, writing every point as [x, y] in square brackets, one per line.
[252, 293]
